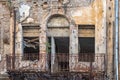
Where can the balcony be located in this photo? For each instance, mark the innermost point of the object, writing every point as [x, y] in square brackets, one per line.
[63, 65]
[62, 61]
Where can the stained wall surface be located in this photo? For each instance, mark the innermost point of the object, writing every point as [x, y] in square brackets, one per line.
[4, 34]
[38, 12]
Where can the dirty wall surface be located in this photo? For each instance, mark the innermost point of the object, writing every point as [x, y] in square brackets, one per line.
[37, 12]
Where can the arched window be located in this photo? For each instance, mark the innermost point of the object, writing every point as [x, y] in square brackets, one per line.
[58, 38]
[58, 26]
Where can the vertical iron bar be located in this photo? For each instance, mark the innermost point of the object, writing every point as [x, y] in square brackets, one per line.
[105, 66]
[90, 75]
[14, 40]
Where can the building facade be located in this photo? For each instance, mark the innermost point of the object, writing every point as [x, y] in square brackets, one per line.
[57, 36]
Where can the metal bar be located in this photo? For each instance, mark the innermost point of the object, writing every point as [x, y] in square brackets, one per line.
[116, 39]
[90, 74]
[14, 36]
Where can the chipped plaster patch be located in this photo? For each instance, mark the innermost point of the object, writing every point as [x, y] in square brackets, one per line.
[77, 13]
[30, 20]
[24, 11]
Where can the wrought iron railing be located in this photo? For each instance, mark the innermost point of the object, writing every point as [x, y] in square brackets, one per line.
[9, 60]
[86, 57]
[63, 62]
[30, 56]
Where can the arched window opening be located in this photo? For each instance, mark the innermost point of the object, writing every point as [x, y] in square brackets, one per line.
[58, 38]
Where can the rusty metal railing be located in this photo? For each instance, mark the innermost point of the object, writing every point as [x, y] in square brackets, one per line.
[86, 57]
[29, 56]
[9, 60]
[25, 62]
[62, 62]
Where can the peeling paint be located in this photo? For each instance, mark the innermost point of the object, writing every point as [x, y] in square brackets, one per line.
[24, 11]
[90, 13]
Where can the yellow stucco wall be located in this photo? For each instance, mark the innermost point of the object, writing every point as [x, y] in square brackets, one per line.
[94, 14]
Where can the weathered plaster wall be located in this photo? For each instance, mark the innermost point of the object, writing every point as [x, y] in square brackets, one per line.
[4, 26]
[85, 13]
[4, 34]
[110, 17]
[30, 16]
[89, 14]
[95, 14]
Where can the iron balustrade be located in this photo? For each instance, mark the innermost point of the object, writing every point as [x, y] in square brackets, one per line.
[61, 60]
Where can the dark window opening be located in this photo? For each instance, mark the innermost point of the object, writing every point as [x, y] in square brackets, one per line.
[49, 51]
[62, 52]
[31, 48]
[86, 49]
[62, 44]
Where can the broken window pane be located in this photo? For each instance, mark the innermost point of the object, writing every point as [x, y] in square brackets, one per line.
[31, 48]
[30, 42]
